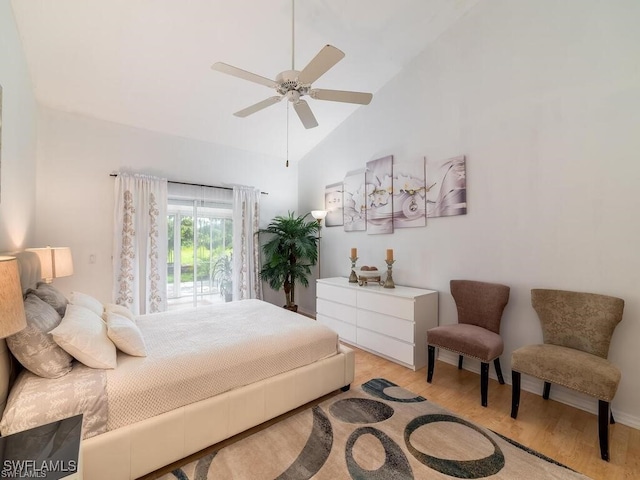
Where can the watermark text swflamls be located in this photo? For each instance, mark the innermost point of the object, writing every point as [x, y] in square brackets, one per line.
[35, 469]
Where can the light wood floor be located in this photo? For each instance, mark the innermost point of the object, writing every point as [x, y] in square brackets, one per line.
[566, 434]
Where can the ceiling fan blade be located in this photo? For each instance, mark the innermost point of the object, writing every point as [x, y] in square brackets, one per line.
[305, 114]
[341, 96]
[238, 72]
[258, 106]
[318, 66]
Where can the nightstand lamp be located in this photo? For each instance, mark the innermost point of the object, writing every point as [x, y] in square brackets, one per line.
[12, 317]
[55, 262]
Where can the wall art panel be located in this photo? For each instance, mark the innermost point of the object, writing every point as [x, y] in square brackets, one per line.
[446, 187]
[409, 194]
[354, 201]
[379, 178]
[333, 205]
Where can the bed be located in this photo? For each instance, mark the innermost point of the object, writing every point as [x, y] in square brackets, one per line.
[219, 380]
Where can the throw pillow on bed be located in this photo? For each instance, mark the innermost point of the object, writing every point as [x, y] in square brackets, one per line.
[126, 335]
[119, 309]
[83, 334]
[51, 295]
[34, 346]
[87, 301]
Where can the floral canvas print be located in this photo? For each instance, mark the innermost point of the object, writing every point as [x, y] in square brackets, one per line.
[446, 187]
[379, 178]
[354, 202]
[333, 205]
[409, 194]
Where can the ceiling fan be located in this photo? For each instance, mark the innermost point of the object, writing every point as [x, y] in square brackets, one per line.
[293, 84]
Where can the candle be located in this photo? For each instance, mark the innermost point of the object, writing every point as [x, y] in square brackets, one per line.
[354, 252]
[389, 255]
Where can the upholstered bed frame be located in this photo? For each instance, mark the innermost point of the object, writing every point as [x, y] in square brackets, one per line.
[135, 450]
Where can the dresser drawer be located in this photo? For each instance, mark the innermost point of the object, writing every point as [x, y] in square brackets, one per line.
[387, 304]
[385, 345]
[338, 311]
[345, 296]
[344, 330]
[387, 325]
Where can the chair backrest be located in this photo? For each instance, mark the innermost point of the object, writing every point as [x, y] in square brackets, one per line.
[583, 321]
[480, 303]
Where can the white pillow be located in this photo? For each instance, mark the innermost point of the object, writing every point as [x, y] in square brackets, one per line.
[83, 335]
[119, 309]
[87, 301]
[126, 335]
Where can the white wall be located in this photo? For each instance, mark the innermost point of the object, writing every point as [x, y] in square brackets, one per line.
[543, 97]
[75, 194]
[18, 151]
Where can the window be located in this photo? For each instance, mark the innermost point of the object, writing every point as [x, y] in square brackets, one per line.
[199, 250]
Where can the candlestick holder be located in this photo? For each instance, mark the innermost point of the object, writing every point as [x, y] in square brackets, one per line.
[353, 278]
[388, 283]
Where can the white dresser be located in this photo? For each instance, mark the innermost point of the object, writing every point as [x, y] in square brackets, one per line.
[390, 322]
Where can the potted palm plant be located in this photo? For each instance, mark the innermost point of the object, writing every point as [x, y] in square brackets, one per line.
[289, 253]
[222, 274]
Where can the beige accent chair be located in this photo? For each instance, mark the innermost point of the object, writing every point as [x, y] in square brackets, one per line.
[577, 329]
[477, 333]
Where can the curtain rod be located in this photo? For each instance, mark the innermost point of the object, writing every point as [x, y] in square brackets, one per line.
[195, 184]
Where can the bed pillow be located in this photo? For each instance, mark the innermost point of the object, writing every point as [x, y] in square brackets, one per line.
[51, 295]
[119, 309]
[34, 346]
[83, 334]
[126, 335]
[87, 301]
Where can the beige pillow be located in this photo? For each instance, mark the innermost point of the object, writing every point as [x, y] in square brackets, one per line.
[34, 346]
[126, 335]
[119, 309]
[83, 334]
[87, 301]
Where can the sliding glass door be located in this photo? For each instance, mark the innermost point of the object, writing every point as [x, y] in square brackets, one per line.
[199, 253]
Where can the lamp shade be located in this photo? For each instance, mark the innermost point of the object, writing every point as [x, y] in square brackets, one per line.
[55, 262]
[319, 214]
[12, 318]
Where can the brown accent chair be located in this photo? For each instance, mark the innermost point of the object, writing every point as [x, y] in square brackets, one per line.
[577, 329]
[477, 333]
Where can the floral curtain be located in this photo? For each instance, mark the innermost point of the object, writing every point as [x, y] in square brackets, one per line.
[246, 248]
[140, 243]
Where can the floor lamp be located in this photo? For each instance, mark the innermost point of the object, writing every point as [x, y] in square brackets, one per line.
[319, 216]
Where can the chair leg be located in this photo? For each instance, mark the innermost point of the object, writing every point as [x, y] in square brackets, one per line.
[460, 357]
[604, 413]
[547, 389]
[484, 382]
[431, 359]
[515, 393]
[496, 363]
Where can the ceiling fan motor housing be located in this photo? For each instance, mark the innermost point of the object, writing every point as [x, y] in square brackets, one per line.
[289, 86]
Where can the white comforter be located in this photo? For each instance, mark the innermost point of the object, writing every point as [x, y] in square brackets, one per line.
[192, 355]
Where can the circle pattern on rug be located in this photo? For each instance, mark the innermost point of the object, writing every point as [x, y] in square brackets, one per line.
[480, 468]
[395, 465]
[361, 410]
[315, 452]
[386, 390]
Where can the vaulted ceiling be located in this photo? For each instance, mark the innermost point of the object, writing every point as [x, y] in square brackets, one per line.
[146, 63]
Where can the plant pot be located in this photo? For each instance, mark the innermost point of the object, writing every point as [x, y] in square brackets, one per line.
[228, 297]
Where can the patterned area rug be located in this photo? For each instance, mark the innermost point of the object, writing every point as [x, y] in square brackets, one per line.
[379, 431]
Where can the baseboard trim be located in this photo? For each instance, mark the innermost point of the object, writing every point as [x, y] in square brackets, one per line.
[533, 385]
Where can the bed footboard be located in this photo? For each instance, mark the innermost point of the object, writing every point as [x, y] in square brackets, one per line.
[141, 448]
